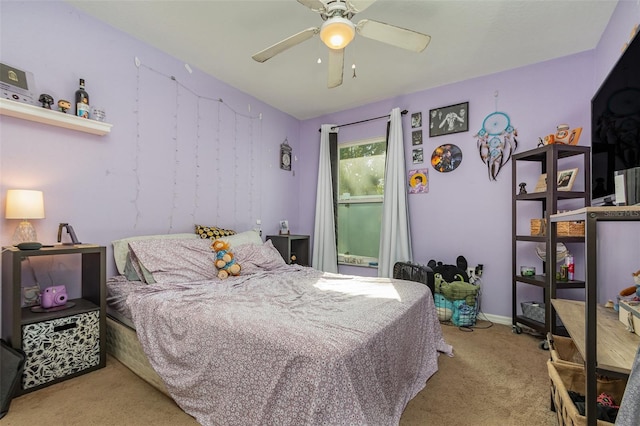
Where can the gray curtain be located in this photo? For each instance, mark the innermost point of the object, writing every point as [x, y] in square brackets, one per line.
[395, 234]
[325, 253]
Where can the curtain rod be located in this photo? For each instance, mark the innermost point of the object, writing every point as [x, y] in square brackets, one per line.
[403, 112]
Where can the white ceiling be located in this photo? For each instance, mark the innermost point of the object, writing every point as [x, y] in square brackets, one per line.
[469, 39]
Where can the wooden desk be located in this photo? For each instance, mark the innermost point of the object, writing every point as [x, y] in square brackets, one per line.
[616, 347]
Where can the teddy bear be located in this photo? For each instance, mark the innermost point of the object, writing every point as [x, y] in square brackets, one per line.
[225, 261]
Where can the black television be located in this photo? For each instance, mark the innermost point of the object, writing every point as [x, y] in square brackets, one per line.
[615, 124]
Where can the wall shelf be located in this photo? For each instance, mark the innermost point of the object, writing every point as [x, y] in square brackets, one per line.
[53, 118]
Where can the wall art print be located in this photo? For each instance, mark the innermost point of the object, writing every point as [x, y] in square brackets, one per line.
[449, 119]
[446, 158]
[418, 156]
[416, 120]
[416, 137]
[419, 181]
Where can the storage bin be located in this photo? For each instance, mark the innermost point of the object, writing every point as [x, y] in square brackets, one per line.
[570, 229]
[629, 315]
[564, 350]
[60, 347]
[533, 311]
[563, 229]
[566, 377]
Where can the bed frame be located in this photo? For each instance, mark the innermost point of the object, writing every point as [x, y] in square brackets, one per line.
[123, 344]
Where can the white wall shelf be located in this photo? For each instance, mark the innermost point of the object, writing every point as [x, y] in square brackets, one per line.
[52, 117]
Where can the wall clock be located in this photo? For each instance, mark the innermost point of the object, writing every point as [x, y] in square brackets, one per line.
[285, 156]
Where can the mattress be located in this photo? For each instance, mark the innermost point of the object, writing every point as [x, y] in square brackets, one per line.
[123, 345]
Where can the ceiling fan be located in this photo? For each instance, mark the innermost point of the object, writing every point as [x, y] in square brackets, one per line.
[338, 30]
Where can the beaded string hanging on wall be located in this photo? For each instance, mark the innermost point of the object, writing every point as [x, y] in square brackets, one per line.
[496, 141]
[200, 104]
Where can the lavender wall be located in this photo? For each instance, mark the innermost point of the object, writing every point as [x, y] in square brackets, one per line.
[176, 156]
[174, 159]
[464, 212]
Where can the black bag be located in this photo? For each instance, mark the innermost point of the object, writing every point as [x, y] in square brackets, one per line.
[413, 272]
[11, 366]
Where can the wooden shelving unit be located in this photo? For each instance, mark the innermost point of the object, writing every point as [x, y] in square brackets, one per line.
[603, 341]
[92, 302]
[53, 118]
[548, 159]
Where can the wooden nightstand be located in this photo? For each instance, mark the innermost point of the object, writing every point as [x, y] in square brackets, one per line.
[293, 248]
[72, 341]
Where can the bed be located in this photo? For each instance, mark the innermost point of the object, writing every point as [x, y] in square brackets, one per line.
[278, 344]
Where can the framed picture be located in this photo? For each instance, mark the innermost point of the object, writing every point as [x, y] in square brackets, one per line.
[419, 181]
[541, 185]
[418, 156]
[564, 182]
[449, 119]
[566, 179]
[285, 156]
[416, 119]
[416, 137]
[284, 227]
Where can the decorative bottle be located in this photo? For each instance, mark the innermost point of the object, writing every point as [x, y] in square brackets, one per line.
[82, 101]
[570, 267]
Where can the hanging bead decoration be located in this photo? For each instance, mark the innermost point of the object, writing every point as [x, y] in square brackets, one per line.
[176, 157]
[136, 161]
[238, 173]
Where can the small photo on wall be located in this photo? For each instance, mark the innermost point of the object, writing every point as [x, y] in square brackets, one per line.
[416, 137]
[416, 119]
[418, 181]
[418, 156]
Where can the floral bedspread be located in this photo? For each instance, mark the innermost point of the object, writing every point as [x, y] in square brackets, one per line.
[292, 346]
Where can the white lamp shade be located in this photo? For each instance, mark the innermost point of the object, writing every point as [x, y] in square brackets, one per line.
[24, 204]
[337, 32]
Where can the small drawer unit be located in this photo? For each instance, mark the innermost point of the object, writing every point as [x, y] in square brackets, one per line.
[60, 347]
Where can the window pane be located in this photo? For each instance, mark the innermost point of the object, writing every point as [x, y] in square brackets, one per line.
[361, 170]
[359, 228]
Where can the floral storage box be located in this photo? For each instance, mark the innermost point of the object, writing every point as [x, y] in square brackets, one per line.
[60, 347]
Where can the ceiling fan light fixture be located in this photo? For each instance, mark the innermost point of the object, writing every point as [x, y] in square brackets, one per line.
[337, 32]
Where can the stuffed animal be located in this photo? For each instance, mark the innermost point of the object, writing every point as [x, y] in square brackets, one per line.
[225, 261]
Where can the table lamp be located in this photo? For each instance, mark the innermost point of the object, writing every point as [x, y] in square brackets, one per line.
[24, 204]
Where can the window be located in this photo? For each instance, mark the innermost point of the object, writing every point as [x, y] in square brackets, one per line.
[360, 195]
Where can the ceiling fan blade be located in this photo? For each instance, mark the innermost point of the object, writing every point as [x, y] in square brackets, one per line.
[395, 36]
[336, 67]
[285, 44]
[315, 5]
[360, 5]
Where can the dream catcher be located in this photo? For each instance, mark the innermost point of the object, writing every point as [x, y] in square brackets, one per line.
[496, 142]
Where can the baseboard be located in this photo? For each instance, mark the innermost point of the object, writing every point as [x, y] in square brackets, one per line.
[497, 319]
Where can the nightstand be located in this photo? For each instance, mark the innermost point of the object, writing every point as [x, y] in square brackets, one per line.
[62, 344]
[293, 248]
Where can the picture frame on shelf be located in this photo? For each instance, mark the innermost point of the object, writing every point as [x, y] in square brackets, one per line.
[284, 227]
[541, 185]
[564, 181]
[566, 178]
[448, 120]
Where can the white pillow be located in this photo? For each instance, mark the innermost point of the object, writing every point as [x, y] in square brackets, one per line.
[247, 237]
[121, 247]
